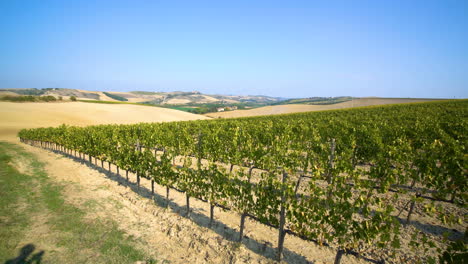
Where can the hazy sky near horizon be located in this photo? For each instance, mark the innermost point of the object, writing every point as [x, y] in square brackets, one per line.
[278, 48]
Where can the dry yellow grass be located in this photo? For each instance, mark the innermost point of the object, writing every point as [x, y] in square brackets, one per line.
[104, 97]
[209, 98]
[6, 93]
[178, 101]
[296, 108]
[141, 98]
[16, 116]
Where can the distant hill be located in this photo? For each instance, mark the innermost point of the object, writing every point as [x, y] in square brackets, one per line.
[214, 105]
[194, 102]
[64, 92]
[306, 105]
[155, 98]
[316, 100]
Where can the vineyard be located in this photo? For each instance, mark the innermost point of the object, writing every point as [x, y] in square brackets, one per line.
[347, 179]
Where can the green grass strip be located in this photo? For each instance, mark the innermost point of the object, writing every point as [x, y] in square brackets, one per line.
[26, 197]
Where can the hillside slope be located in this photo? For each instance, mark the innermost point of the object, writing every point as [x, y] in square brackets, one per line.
[15, 116]
[156, 98]
[296, 108]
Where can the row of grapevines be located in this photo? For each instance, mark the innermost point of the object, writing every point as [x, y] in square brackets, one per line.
[357, 163]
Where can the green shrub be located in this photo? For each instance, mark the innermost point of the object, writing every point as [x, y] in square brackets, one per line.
[47, 98]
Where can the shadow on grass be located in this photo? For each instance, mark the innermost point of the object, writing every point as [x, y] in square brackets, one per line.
[25, 256]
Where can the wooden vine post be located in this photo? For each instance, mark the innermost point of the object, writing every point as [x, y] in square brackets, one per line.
[331, 160]
[298, 183]
[212, 206]
[188, 205]
[138, 180]
[198, 170]
[167, 196]
[242, 223]
[244, 214]
[339, 255]
[413, 203]
[331, 165]
[138, 148]
[200, 142]
[167, 186]
[281, 232]
[152, 179]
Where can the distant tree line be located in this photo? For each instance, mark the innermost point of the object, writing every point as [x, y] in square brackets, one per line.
[116, 97]
[30, 91]
[30, 98]
[315, 100]
[209, 107]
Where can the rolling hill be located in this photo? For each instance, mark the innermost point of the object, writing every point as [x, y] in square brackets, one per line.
[295, 108]
[155, 98]
[15, 116]
[216, 106]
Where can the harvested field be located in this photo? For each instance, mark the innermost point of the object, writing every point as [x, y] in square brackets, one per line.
[16, 116]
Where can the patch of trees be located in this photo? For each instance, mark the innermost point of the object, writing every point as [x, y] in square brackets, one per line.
[211, 107]
[29, 98]
[30, 91]
[116, 97]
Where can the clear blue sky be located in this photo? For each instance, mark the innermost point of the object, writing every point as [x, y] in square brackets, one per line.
[288, 48]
